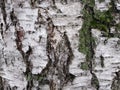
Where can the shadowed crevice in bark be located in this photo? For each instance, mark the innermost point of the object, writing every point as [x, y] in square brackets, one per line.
[53, 1]
[1, 83]
[1, 28]
[116, 81]
[33, 3]
[113, 7]
[95, 81]
[29, 67]
[13, 18]
[64, 1]
[102, 61]
[3, 10]
[5, 86]
[28, 63]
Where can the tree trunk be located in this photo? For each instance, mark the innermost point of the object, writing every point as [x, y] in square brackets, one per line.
[39, 41]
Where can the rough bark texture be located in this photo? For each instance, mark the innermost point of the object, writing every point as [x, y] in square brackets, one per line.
[59, 44]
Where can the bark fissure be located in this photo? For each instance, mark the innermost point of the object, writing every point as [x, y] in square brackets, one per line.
[3, 10]
[116, 82]
[36, 54]
[1, 83]
[59, 56]
[19, 31]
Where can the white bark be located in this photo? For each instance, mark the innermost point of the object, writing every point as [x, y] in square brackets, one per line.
[42, 31]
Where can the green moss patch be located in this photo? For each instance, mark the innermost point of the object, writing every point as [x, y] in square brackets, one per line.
[36, 77]
[84, 66]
